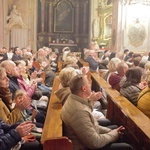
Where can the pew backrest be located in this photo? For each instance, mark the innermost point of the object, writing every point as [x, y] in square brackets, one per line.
[52, 136]
[122, 112]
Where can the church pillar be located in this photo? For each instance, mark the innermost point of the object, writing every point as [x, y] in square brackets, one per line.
[85, 5]
[50, 17]
[1, 24]
[77, 19]
[116, 26]
[42, 16]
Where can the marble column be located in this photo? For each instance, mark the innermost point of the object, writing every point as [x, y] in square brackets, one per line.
[116, 27]
[50, 21]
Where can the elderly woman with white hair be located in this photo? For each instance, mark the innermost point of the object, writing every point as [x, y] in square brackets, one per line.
[112, 67]
[70, 60]
[65, 51]
[65, 76]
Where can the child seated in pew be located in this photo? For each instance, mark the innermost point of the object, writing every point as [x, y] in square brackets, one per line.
[19, 96]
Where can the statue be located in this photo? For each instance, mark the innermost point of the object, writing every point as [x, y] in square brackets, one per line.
[15, 18]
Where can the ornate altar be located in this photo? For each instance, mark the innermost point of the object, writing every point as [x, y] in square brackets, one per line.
[104, 15]
[63, 22]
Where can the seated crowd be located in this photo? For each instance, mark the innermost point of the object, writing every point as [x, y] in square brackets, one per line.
[25, 94]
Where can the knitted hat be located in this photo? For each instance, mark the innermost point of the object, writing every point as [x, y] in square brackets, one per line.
[114, 81]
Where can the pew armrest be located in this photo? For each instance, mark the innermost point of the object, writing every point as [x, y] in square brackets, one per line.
[56, 143]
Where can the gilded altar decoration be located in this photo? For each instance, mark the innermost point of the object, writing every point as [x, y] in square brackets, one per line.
[136, 33]
[108, 26]
[103, 3]
[96, 27]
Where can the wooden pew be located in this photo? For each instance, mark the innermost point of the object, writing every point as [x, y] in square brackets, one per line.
[37, 67]
[52, 136]
[85, 64]
[60, 64]
[121, 112]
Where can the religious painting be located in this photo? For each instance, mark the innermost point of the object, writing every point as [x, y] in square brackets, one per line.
[64, 17]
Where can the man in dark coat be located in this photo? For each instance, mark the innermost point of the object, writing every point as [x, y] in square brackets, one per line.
[11, 135]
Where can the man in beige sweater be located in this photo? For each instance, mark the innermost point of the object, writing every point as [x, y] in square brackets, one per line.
[79, 124]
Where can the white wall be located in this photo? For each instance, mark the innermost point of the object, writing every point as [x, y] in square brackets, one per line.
[138, 31]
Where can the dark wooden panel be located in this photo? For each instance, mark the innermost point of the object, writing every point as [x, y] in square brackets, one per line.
[47, 22]
[58, 144]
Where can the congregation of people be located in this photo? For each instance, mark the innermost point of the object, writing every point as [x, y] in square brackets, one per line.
[24, 95]
[26, 82]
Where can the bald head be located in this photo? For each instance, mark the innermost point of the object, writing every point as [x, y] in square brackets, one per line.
[10, 67]
[92, 53]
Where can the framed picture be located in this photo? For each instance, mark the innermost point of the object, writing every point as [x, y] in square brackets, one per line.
[64, 17]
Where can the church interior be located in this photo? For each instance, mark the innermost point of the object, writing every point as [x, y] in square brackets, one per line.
[116, 25]
[84, 65]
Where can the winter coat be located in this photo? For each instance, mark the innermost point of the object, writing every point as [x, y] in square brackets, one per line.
[130, 91]
[6, 97]
[93, 64]
[13, 85]
[9, 137]
[30, 90]
[82, 128]
[7, 116]
[144, 101]
[63, 94]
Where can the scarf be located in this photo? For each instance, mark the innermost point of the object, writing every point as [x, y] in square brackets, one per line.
[6, 97]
